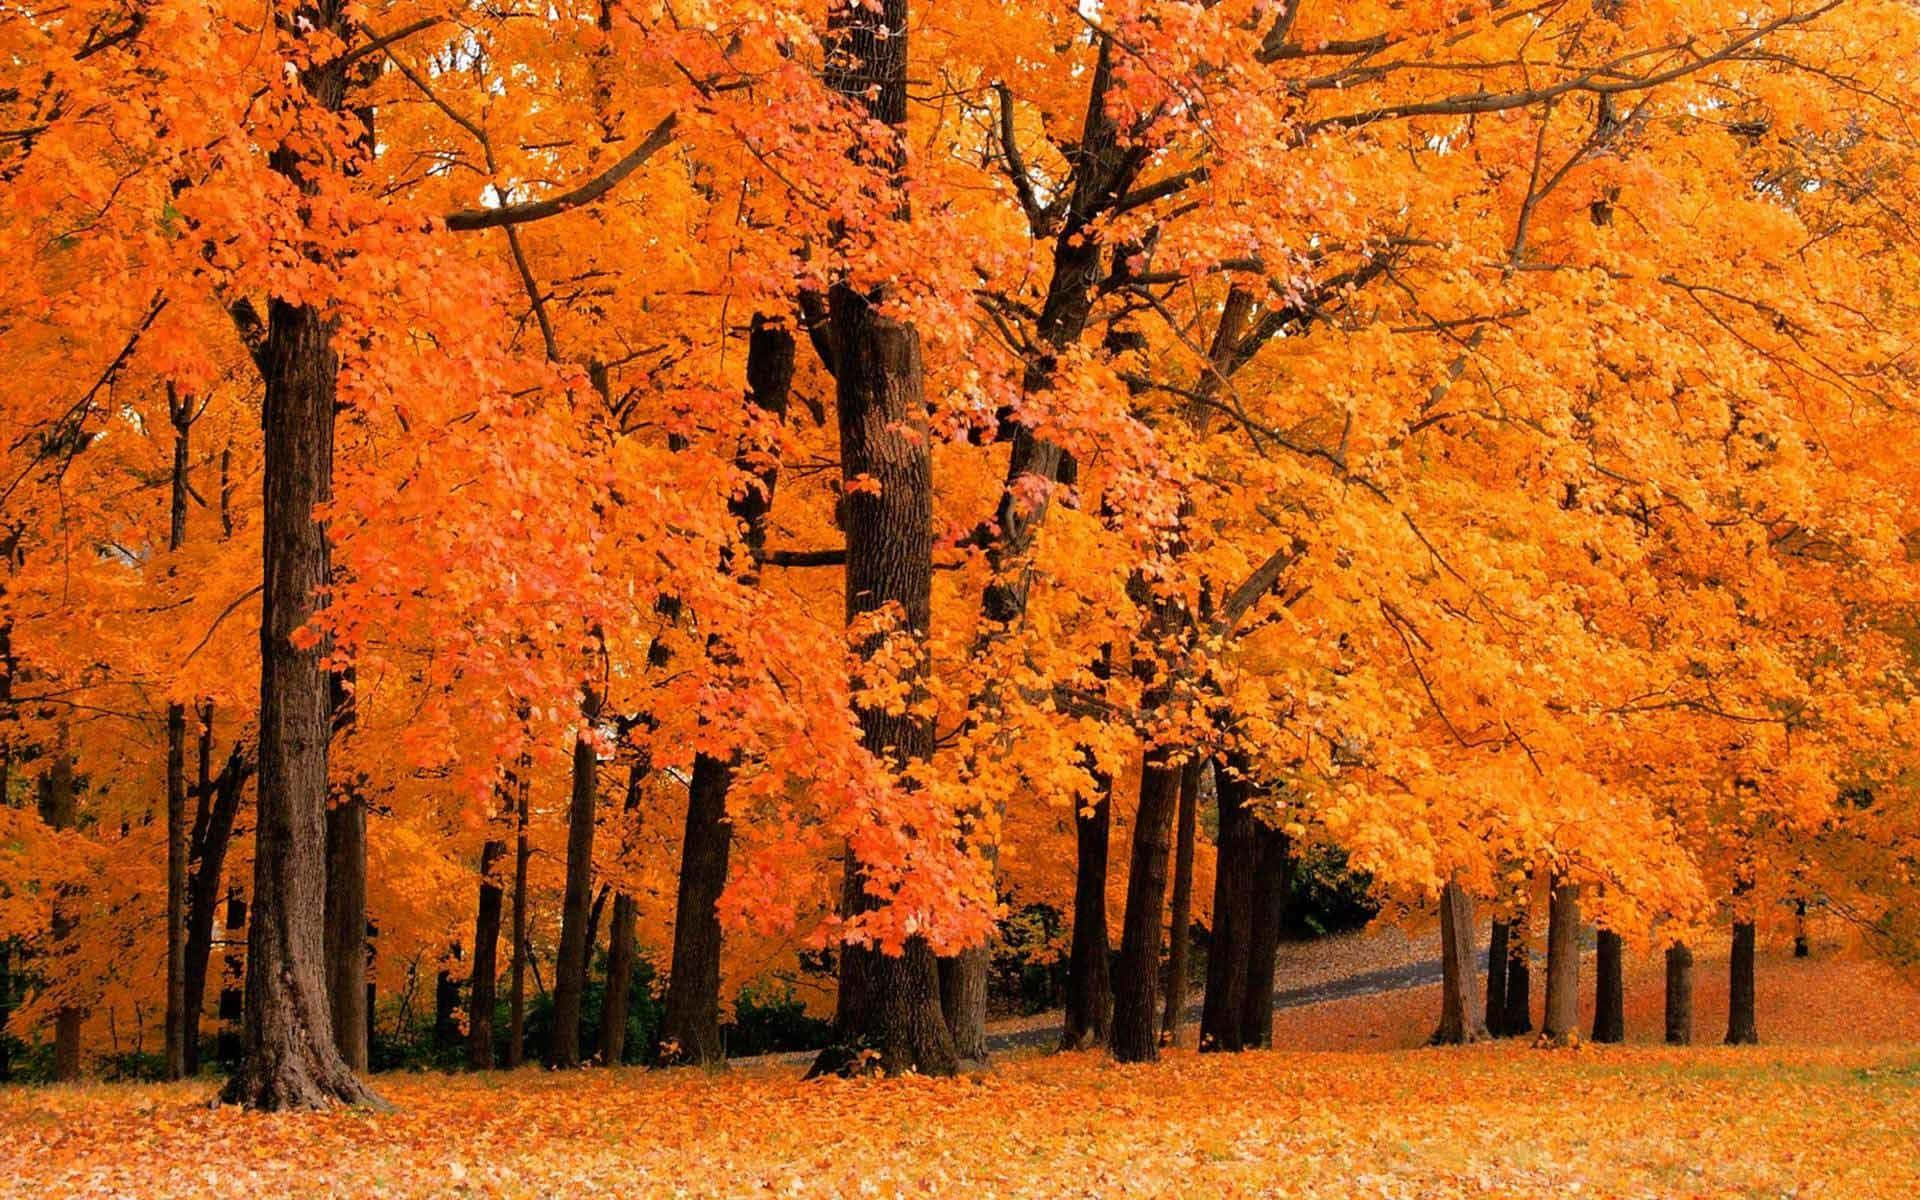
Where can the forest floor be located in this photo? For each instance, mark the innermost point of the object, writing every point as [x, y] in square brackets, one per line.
[1345, 1107]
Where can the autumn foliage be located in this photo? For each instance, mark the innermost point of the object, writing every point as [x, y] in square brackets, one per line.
[743, 481]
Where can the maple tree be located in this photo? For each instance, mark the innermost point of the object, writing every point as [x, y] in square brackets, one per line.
[1471, 437]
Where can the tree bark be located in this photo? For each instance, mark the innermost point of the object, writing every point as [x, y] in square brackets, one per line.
[290, 1060]
[180, 413]
[570, 970]
[486, 960]
[1517, 1018]
[60, 810]
[1742, 1026]
[1679, 995]
[517, 970]
[1228, 952]
[1497, 952]
[1272, 869]
[1458, 1022]
[1609, 988]
[618, 1003]
[1136, 977]
[1180, 912]
[1563, 963]
[345, 936]
[212, 834]
[1089, 1002]
[887, 1004]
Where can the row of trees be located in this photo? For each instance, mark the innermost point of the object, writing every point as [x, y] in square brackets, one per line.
[1477, 433]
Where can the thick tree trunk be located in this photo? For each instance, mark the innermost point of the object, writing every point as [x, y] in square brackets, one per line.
[482, 992]
[1742, 1027]
[345, 936]
[1679, 995]
[1136, 977]
[1496, 1009]
[1180, 912]
[570, 970]
[1609, 990]
[517, 970]
[1563, 964]
[887, 1004]
[1517, 1018]
[1272, 869]
[1458, 1021]
[1228, 951]
[690, 1026]
[618, 1003]
[290, 1058]
[1089, 1007]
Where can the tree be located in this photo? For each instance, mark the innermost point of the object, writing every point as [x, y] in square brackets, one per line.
[1563, 962]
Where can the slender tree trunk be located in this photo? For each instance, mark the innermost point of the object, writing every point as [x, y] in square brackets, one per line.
[1563, 963]
[1458, 1023]
[1496, 978]
[290, 1058]
[1272, 868]
[1801, 948]
[1679, 995]
[220, 801]
[1517, 1019]
[1180, 914]
[1228, 951]
[446, 1001]
[486, 960]
[618, 1004]
[690, 1024]
[60, 810]
[346, 925]
[570, 970]
[1609, 990]
[180, 411]
[1089, 1007]
[1136, 979]
[517, 970]
[1742, 1027]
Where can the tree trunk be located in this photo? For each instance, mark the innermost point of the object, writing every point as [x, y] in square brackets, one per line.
[618, 1003]
[486, 960]
[220, 806]
[345, 936]
[1801, 948]
[180, 411]
[290, 1057]
[1563, 963]
[1136, 982]
[446, 1002]
[1517, 1018]
[1180, 912]
[1272, 867]
[176, 1014]
[889, 1005]
[1089, 1006]
[570, 970]
[1228, 951]
[1609, 990]
[517, 970]
[1679, 995]
[1458, 1024]
[690, 1026]
[60, 810]
[1742, 1028]
[1496, 978]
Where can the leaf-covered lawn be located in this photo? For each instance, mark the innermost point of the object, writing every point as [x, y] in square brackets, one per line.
[1503, 1121]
